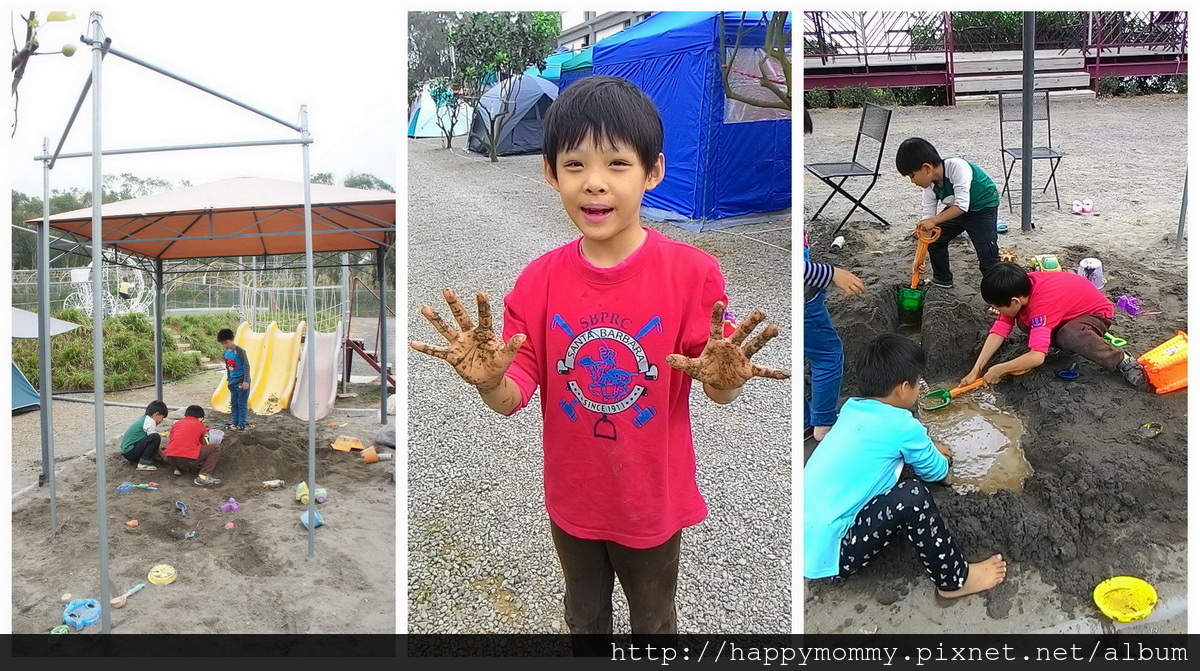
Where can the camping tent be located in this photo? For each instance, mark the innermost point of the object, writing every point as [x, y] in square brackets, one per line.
[527, 98]
[24, 397]
[427, 113]
[554, 65]
[716, 167]
[25, 325]
[577, 68]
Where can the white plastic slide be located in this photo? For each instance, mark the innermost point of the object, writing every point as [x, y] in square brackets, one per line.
[272, 386]
[328, 354]
[254, 343]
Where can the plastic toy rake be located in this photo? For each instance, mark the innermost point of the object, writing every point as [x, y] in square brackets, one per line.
[941, 398]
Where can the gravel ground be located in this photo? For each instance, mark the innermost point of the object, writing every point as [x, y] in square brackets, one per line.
[480, 556]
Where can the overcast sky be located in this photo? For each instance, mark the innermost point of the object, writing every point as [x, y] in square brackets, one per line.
[342, 61]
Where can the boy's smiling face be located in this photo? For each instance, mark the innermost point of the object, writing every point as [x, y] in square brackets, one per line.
[601, 189]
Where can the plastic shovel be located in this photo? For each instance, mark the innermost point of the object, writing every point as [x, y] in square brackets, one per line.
[119, 602]
[1115, 341]
[923, 240]
[941, 398]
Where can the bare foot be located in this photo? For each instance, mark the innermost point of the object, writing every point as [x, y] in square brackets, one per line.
[981, 576]
[819, 432]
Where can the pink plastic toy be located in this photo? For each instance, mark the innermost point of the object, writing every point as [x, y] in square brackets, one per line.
[230, 506]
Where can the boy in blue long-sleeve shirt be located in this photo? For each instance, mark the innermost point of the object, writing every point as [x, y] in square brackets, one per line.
[855, 504]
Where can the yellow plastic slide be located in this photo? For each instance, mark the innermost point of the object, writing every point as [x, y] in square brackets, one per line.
[272, 387]
[254, 343]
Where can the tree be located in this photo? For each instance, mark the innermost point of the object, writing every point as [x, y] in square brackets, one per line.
[365, 180]
[29, 49]
[325, 178]
[503, 44]
[773, 61]
[446, 98]
[429, 53]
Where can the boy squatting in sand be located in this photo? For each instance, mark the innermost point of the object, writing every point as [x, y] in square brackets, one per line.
[592, 323]
[855, 503]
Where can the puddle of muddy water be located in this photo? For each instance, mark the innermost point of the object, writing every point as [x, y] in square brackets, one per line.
[985, 442]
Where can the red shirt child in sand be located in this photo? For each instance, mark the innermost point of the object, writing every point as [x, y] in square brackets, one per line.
[189, 449]
[612, 327]
[1056, 308]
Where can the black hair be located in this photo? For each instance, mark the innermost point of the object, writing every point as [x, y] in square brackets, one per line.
[608, 110]
[886, 362]
[224, 334]
[194, 411]
[914, 153]
[157, 407]
[1003, 282]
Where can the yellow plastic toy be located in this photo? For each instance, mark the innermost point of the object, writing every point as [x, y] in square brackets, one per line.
[1045, 262]
[1125, 598]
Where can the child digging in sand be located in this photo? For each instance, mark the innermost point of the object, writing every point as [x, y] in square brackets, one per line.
[855, 504]
[612, 327]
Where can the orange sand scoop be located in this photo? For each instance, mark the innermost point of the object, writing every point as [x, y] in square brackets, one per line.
[347, 443]
[370, 455]
[131, 523]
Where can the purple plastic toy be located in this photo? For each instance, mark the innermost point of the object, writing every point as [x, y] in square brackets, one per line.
[230, 506]
[1129, 304]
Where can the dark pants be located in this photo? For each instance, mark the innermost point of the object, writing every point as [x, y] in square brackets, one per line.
[1084, 335]
[907, 510]
[210, 453]
[237, 402]
[981, 227]
[648, 578]
[144, 451]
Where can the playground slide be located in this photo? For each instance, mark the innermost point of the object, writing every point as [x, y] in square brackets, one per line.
[272, 387]
[254, 343]
[328, 354]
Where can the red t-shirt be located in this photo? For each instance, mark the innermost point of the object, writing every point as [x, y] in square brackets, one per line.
[1056, 298]
[186, 437]
[619, 464]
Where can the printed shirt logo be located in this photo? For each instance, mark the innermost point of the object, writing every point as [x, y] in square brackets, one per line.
[612, 362]
[1037, 321]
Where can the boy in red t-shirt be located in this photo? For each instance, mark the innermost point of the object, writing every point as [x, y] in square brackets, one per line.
[612, 327]
[1056, 308]
[189, 447]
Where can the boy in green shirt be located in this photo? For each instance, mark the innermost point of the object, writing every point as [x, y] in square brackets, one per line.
[140, 442]
[970, 197]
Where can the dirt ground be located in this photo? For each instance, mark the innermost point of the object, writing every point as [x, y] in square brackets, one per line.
[254, 578]
[1101, 501]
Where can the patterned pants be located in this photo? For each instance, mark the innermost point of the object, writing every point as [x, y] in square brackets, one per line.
[906, 509]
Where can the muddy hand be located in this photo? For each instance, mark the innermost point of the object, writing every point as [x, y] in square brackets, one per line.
[725, 362]
[477, 354]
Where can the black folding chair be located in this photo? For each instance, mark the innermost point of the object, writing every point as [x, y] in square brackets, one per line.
[1011, 109]
[873, 126]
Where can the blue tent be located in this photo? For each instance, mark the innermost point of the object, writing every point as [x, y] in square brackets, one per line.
[24, 397]
[715, 169]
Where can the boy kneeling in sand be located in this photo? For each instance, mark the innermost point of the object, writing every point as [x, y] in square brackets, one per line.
[855, 504]
[189, 447]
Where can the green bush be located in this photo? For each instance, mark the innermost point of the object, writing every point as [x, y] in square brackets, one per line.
[1111, 86]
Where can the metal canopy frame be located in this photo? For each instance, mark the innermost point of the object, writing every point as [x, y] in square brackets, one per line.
[101, 47]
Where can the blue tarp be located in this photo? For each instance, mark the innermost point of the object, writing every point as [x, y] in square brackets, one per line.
[24, 397]
[553, 66]
[715, 169]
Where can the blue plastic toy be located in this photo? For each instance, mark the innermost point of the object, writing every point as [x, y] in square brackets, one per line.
[80, 613]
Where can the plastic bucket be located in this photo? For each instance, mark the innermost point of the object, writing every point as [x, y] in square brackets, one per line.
[215, 435]
[1093, 270]
[910, 301]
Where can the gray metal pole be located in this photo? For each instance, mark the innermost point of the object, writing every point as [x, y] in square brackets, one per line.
[381, 346]
[1179, 234]
[1028, 62]
[45, 382]
[160, 304]
[345, 315]
[311, 340]
[98, 325]
[176, 147]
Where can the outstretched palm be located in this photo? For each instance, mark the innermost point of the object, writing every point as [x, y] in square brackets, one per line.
[477, 354]
[725, 362]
